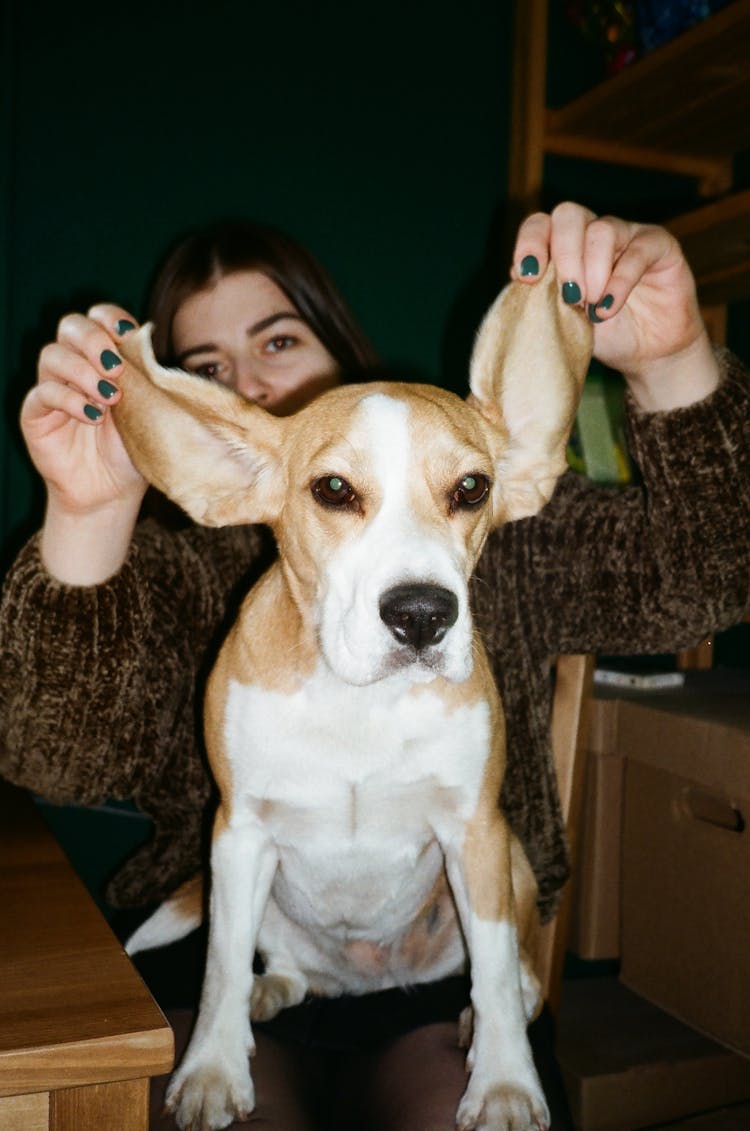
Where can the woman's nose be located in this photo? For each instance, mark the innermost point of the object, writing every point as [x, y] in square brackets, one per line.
[249, 384]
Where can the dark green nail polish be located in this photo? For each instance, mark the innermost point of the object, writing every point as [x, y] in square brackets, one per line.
[124, 326]
[109, 359]
[603, 304]
[92, 411]
[106, 388]
[529, 265]
[571, 293]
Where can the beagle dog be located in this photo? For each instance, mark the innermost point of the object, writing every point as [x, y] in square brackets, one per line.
[352, 722]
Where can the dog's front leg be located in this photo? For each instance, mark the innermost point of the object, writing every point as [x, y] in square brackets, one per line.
[212, 1085]
[504, 1093]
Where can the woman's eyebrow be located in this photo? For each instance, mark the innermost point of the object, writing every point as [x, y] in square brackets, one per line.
[256, 328]
[207, 347]
[264, 323]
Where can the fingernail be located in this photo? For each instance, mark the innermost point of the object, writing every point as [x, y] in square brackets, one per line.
[106, 388]
[571, 293]
[529, 265]
[92, 411]
[109, 359]
[124, 326]
[603, 304]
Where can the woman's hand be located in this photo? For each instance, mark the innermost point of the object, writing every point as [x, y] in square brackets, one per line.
[70, 434]
[637, 289]
[93, 490]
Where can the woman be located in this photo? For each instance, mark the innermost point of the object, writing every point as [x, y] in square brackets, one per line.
[107, 627]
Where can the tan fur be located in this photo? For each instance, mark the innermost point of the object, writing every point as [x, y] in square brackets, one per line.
[490, 896]
[226, 461]
[188, 899]
[279, 661]
[528, 385]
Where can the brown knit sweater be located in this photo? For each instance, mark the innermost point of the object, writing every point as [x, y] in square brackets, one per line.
[100, 686]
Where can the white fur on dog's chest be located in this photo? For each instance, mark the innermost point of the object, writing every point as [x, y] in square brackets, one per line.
[356, 787]
[360, 763]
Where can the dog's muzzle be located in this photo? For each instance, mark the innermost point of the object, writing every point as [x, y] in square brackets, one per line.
[419, 615]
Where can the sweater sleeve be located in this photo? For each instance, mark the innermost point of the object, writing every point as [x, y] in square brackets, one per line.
[651, 568]
[97, 683]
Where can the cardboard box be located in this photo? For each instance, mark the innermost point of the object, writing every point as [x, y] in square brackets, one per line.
[595, 917]
[686, 857]
[734, 1118]
[627, 1064]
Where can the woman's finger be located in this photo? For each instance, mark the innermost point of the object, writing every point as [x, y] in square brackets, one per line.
[648, 250]
[94, 382]
[51, 399]
[604, 241]
[85, 337]
[567, 243]
[531, 252]
[114, 319]
[59, 363]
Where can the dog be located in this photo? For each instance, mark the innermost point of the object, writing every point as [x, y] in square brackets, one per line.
[352, 723]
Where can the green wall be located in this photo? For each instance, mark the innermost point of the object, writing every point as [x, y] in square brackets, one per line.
[376, 133]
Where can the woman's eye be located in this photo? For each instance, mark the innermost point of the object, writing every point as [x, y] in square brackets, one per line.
[211, 370]
[280, 343]
[470, 491]
[333, 491]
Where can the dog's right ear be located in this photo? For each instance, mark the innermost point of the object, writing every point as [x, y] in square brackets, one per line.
[204, 446]
[527, 372]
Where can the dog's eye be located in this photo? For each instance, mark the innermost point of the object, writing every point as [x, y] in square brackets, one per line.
[470, 491]
[333, 491]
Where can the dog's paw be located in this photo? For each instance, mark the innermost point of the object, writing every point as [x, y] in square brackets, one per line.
[210, 1096]
[504, 1107]
[273, 992]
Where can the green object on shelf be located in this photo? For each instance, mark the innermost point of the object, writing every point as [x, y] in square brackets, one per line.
[597, 447]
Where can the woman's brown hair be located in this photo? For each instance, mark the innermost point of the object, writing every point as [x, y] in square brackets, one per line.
[205, 256]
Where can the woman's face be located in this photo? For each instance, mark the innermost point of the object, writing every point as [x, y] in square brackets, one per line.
[244, 332]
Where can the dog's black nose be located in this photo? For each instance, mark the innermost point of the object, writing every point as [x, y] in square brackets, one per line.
[419, 615]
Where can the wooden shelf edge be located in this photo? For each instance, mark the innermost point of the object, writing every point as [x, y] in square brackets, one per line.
[716, 242]
[728, 210]
[714, 175]
[605, 111]
[731, 285]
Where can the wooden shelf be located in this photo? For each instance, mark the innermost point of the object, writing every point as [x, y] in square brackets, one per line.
[716, 242]
[684, 108]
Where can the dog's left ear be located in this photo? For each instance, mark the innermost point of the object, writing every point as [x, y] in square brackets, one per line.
[528, 367]
[204, 446]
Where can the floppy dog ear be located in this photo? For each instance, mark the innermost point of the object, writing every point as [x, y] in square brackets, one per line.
[200, 443]
[528, 367]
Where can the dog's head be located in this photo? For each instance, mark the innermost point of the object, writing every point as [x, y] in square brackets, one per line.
[380, 495]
